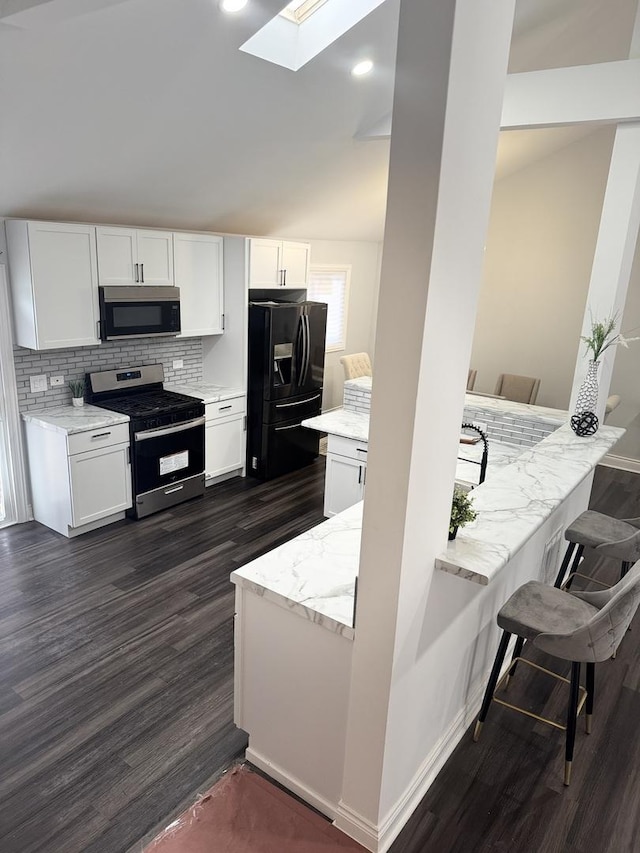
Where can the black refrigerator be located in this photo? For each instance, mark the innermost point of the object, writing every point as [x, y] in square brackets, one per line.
[286, 367]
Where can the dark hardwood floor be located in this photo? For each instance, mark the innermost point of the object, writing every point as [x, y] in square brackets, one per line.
[505, 793]
[116, 663]
[116, 691]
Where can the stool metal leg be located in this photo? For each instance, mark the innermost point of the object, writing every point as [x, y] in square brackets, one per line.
[575, 564]
[491, 686]
[572, 714]
[516, 654]
[565, 564]
[591, 684]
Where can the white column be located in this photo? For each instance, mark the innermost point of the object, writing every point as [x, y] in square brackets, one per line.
[615, 246]
[451, 68]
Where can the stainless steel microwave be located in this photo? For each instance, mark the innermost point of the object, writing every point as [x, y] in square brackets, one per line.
[138, 312]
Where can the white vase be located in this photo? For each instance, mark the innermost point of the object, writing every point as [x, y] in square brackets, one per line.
[77, 401]
[588, 394]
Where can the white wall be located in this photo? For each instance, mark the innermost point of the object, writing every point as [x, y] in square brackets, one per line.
[540, 247]
[627, 370]
[364, 259]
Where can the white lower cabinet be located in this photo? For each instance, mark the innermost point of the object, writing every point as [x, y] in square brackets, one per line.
[225, 438]
[346, 474]
[79, 481]
[100, 483]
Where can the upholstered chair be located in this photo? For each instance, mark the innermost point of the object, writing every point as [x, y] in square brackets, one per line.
[520, 389]
[356, 365]
[581, 627]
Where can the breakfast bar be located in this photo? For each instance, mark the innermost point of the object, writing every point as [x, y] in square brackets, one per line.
[296, 609]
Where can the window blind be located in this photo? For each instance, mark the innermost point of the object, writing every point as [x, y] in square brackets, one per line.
[331, 285]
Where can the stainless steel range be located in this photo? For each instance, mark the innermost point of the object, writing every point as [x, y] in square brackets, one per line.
[167, 435]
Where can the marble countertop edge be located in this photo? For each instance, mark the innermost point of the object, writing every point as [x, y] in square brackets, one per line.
[336, 626]
[70, 420]
[520, 498]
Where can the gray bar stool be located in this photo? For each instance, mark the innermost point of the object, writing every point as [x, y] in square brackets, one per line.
[581, 627]
[618, 538]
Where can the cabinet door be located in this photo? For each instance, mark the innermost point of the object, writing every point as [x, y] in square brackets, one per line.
[344, 483]
[155, 255]
[295, 264]
[117, 256]
[224, 445]
[64, 280]
[198, 273]
[100, 483]
[265, 269]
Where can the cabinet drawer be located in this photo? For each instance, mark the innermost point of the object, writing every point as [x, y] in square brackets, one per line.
[80, 442]
[348, 447]
[235, 406]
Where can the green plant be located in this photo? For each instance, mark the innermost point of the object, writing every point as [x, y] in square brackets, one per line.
[462, 511]
[77, 387]
[602, 336]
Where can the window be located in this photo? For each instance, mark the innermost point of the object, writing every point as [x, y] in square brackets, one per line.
[330, 284]
[299, 10]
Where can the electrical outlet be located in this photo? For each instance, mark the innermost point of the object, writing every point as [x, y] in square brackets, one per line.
[54, 381]
[38, 383]
[480, 425]
[178, 363]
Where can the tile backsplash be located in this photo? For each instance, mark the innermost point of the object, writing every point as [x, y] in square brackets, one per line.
[74, 363]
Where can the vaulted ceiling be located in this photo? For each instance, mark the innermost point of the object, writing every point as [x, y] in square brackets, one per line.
[145, 112]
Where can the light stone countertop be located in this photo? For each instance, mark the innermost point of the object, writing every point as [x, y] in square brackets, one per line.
[514, 502]
[205, 391]
[341, 422]
[313, 574]
[72, 419]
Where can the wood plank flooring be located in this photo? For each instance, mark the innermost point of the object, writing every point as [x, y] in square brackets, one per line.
[116, 663]
[116, 691]
[505, 793]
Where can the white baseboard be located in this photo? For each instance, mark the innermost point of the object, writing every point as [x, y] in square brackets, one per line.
[292, 783]
[379, 838]
[621, 463]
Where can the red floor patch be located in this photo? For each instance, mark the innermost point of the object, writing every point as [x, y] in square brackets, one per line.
[244, 813]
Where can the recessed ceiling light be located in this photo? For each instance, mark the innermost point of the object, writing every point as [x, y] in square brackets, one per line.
[362, 68]
[233, 5]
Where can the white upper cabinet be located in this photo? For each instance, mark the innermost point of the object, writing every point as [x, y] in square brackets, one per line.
[155, 257]
[117, 255]
[134, 256]
[199, 275]
[54, 278]
[295, 263]
[278, 263]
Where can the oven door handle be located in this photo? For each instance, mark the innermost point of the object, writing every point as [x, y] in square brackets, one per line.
[158, 433]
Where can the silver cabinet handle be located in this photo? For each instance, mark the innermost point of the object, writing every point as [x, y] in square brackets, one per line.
[224, 408]
[137, 272]
[158, 433]
[100, 435]
[142, 273]
[299, 403]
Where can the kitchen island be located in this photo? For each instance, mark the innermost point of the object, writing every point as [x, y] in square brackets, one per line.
[296, 615]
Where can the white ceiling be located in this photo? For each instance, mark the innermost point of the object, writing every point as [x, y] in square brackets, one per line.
[145, 112]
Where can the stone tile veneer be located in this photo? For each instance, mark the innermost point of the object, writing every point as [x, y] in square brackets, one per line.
[74, 363]
[523, 429]
[512, 429]
[357, 395]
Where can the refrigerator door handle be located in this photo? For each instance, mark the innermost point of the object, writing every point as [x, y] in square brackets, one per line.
[282, 429]
[306, 350]
[300, 350]
[298, 403]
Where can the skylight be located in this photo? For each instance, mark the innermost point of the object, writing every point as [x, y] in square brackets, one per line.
[299, 10]
[304, 28]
